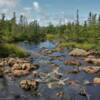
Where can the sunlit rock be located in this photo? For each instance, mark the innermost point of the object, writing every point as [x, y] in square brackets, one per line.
[18, 73]
[95, 61]
[1, 71]
[91, 69]
[29, 84]
[96, 80]
[78, 52]
[72, 62]
[60, 94]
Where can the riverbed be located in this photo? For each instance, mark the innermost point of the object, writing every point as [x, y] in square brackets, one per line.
[10, 89]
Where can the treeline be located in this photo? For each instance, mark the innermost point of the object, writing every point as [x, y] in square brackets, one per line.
[77, 34]
[13, 31]
[77, 31]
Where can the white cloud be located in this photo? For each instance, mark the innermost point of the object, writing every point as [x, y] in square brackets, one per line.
[36, 6]
[9, 3]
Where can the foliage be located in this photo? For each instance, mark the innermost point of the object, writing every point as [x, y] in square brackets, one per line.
[12, 50]
[73, 34]
[84, 45]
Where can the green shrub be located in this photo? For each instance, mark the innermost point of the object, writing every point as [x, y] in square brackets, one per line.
[12, 50]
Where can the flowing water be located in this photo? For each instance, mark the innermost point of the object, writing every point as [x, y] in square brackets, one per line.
[10, 89]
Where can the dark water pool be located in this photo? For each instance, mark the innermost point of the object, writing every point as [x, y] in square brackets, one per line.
[10, 89]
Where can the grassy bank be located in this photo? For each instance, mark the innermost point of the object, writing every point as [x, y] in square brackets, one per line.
[84, 45]
[12, 50]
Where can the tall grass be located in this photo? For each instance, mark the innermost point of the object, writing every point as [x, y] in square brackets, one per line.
[12, 50]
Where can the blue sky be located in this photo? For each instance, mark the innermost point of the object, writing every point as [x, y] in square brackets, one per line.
[46, 11]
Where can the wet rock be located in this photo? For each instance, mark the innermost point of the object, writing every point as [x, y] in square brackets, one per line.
[1, 71]
[91, 69]
[60, 94]
[11, 61]
[78, 52]
[46, 51]
[83, 92]
[7, 71]
[94, 53]
[1, 64]
[72, 62]
[35, 66]
[95, 61]
[74, 71]
[54, 75]
[18, 73]
[87, 82]
[96, 80]
[29, 84]
[35, 74]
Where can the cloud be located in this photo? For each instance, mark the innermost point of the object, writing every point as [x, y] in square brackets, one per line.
[36, 6]
[8, 3]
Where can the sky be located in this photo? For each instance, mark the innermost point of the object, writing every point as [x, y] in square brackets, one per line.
[46, 11]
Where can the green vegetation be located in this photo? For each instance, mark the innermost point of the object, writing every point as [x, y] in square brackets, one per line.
[84, 45]
[75, 34]
[82, 35]
[12, 50]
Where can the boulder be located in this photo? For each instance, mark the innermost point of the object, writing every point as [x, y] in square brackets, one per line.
[72, 62]
[94, 53]
[96, 80]
[11, 61]
[18, 73]
[91, 69]
[78, 52]
[29, 84]
[35, 74]
[95, 61]
[1, 64]
[1, 71]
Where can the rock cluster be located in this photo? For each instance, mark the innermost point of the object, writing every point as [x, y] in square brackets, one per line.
[29, 84]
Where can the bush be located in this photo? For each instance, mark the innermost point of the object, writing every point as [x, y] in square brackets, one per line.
[50, 36]
[12, 50]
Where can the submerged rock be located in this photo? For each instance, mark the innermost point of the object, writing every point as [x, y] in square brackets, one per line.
[91, 69]
[78, 52]
[29, 84]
